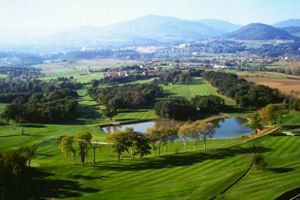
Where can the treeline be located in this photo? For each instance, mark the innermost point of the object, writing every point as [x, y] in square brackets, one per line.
[246, 95]
[110, 80]
[184, 109]
[10, 91]
[126, 96]
[56, 107]
[26, 73]
[177, 76]
[292, 70]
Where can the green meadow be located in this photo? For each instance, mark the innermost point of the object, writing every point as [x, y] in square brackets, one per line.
[192, 175]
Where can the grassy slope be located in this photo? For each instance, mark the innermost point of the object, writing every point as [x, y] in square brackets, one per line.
[283, 170]
[194, 175]
[181, 176]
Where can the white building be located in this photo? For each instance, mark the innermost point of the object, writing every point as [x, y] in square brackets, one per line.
[115, 73]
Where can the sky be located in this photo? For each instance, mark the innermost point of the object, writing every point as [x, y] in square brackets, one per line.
[66, 14]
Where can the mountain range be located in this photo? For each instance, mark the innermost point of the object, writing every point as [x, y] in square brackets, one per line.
[152, 29]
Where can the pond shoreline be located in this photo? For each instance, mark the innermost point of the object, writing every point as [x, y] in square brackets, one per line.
[227, 127]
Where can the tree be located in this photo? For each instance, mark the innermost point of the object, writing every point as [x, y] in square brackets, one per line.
[132, 138]
[95, 145]
[269, 114]
[30, 152]
[153, 135]
[13, 175]
[110, 112]
[22, 132]
[66, 147]
[120, 142]
[83, 139]
[184, 132]
[205, 130]
[258, 161]
[142, 145]
[167, 135]
[161, 135]
[256, 122]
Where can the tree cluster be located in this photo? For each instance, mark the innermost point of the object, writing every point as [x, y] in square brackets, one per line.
[129, 139]
[175, 109]
[56, 107]
[10, 91]
[126, 96]
[195, 72]
[272, 113]
[245, 94]
[184, 109]
[195, 132]
[15, 71]
[161, 135]
[175, 77]
[110, 80]
[210, 103]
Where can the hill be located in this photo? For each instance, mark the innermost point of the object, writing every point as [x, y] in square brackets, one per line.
[152, 28]
[292, 30]
[258, 31]
[287, 23]
[220, 25]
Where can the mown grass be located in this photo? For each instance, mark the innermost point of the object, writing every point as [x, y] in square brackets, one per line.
[192, 175]
[283, 169]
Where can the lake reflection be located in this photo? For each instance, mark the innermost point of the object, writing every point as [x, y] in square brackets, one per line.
[144, 125]
[225, 128]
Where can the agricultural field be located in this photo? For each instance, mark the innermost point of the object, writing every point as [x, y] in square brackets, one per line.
[79, 67]
[285, 83]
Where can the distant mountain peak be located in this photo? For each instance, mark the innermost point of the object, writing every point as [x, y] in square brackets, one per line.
[287, 23]
[259, 31]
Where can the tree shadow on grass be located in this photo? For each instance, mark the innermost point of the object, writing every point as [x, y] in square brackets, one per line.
[281, 170]
[289, 194]
[86, 114]
[124, 119]
[279, 134]
[43, 187]
[32, 125]
[132, 110]
[233, 109]
[15, 135]
[292, 127]
[89, 177]
[176, 160]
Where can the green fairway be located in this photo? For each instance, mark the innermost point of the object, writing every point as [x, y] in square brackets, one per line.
[283, 169]
[189, 91]
[192, 175]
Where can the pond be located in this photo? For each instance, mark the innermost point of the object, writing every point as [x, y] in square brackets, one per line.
[225, 128]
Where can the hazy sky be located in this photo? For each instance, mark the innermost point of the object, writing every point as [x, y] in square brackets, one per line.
[75, 13]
